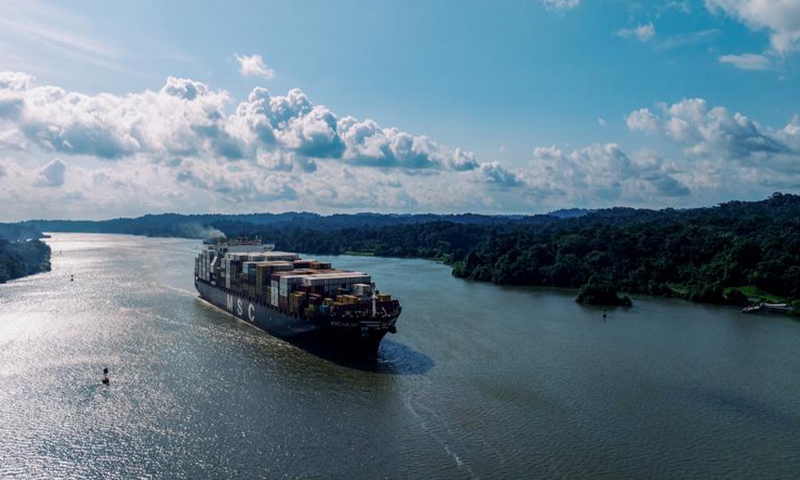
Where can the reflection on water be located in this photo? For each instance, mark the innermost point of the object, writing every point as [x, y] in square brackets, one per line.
[480, 381]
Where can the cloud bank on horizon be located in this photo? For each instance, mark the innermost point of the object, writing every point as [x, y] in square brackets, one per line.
[187, 146]
[192, 146]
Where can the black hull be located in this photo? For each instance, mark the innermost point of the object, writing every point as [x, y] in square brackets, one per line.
[330, 332]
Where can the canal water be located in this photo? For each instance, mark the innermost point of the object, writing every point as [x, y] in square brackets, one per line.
[481, 381]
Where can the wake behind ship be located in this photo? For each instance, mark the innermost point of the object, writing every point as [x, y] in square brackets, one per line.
[289, 297]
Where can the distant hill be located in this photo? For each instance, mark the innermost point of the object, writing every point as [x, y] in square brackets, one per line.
[571, 212]
[203, 225]
[718, 254]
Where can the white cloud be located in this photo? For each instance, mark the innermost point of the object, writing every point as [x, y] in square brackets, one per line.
[184, 118]
[499, 175]
[12, 139]
[781, 18]
[15, 81]
[708, 131]
[602, 175]
[642, 33]
[602, 122]
[52, 174]
[187, 119]
[726, 152]
[642, 120]
[747, 61]
[254, 66]
[187, 147]
[182, 145]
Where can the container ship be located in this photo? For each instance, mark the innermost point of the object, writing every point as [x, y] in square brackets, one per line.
[289, 297]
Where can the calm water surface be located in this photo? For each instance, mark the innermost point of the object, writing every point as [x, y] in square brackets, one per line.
[480, 381]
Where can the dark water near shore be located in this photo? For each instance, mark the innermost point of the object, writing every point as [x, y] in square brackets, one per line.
[481, 381]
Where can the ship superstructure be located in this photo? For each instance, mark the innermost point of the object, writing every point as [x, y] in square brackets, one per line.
[287, 296]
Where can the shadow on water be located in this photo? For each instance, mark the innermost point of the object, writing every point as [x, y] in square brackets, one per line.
[393, 358]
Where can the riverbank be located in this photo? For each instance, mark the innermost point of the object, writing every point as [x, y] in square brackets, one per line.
[21, 259]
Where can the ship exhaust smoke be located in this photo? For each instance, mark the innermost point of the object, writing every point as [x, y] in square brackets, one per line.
[195, 230]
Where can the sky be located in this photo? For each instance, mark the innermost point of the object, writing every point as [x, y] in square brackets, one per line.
[112, 109]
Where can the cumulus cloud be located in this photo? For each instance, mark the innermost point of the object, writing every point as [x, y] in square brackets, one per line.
[642, 33]
[186, 118]
[294, 123]
[603, 172]
[188, 144]
[705, 130]
[15, 81]
[254, 66]
[724, 150]
[12, 139]
[499, 175]
[52, 174]
[184, 88]
[369, 144]
[238, 185]
[183, 118]
[642, 120]
[747, 61]
[187, 147]
[780, 18]
[792, 129]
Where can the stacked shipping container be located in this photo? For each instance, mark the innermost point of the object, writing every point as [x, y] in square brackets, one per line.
[283, 280]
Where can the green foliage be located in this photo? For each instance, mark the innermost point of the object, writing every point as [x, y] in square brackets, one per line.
[17, 232]
[697, 253]
[18, 259]
[694, 253]
[736, 297]
[600, 291]
[21, 253]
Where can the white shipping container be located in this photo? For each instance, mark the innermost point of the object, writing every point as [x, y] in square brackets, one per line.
[274, 294]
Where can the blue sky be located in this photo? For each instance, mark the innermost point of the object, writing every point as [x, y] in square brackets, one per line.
[497, 107]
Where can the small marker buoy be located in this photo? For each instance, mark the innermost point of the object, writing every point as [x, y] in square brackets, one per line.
[105, 376]
[604, 314]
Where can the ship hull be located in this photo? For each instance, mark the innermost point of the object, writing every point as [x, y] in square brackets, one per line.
[342, 334]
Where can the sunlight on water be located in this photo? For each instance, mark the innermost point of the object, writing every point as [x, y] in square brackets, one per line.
[481, 381]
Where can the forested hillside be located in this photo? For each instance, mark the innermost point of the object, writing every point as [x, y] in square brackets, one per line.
[21, 253]
[717, 254]
[705, 254]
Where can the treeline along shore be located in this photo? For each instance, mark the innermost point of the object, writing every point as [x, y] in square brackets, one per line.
[728, 253]
[21, 252]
